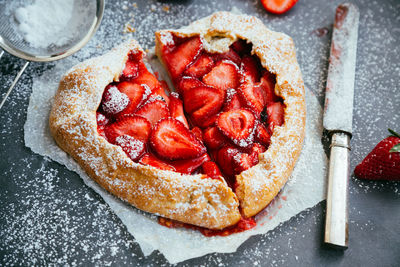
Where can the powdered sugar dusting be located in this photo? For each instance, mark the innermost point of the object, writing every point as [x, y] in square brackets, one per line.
[114, 100]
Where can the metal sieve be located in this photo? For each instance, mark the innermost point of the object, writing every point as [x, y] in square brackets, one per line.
[13, 42]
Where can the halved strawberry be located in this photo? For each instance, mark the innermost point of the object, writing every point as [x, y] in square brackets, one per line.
[238, 126]
[241, 162]
[267, 83]
[186, 83]
[176, 108]
[253, 95]
[145, 77]
[262, 135]
[101, 119]
[233, 101]
[224, 75]
[203, 103]
[250, 67]
[255, 151]
[133, 147]
[149, 159]
[213, 138]
[171, 140]
[159, 92]
[225, 160]
[154, 110]
[183, 55]
[197, 132]
[113, 100]
[241, 47]
[230, 55]
[201, 66]
[278, 6]
[131, 70]
[275, 115]
[132, 125]
[187, 166]
[136, 94]
[211, 169]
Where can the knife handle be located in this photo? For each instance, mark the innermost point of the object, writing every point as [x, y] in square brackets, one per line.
[336, 223]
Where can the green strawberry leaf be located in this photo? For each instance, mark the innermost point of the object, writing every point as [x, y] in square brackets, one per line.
[396, 148]
[394, 133]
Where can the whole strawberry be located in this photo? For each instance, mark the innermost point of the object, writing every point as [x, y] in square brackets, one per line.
[383, 162]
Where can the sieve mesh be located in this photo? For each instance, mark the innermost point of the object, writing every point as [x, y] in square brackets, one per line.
[86, 17]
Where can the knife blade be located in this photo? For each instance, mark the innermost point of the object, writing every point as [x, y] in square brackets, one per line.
[338, 115]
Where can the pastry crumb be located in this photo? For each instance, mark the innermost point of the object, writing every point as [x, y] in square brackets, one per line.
[165, 8]
[129, 28]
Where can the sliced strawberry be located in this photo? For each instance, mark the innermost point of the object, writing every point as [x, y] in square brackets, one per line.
[211, 169]
[133, 147]
[238, 126]
[223, 76]
[262, 135]
[171, 140]
[187, 83]
[149, 159]
[159, 92]
[154, 110]
[165, 86]
[183, 55]
[201, 66]
[267, 83]
[203, 103]
[176, 108]
[278, 6]
[233, 101]
[241, 47]
[131, 70]
[145, 77]
[101, 119]
[275, 115]
[241, 162]
[250, 67]
[253, 95]
[187, 166]
[100, 131]
[225, 160]
[113, 100]
[136, 94]
[132, 125]
[230, 55]
[255, 151]
[213, 138]
[197, 132]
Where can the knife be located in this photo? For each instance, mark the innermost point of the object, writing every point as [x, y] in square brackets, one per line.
[338, 115]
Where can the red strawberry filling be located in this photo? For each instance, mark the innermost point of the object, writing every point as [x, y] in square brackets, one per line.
[221, 119]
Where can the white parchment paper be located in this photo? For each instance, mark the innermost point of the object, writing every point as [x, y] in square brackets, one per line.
[305, 189]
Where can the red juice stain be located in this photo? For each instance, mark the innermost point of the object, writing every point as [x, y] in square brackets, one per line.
[243, 225]
[341, 14]
[321, 32]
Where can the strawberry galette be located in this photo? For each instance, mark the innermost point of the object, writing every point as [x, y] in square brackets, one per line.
[217, 149]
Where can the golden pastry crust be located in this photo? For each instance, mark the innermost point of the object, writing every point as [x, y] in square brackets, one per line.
[257, 186]
[193, 199]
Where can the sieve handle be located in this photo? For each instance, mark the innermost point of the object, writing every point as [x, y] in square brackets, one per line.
[14, 82]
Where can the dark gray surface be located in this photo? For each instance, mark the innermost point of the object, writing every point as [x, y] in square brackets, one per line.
[48, 215]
